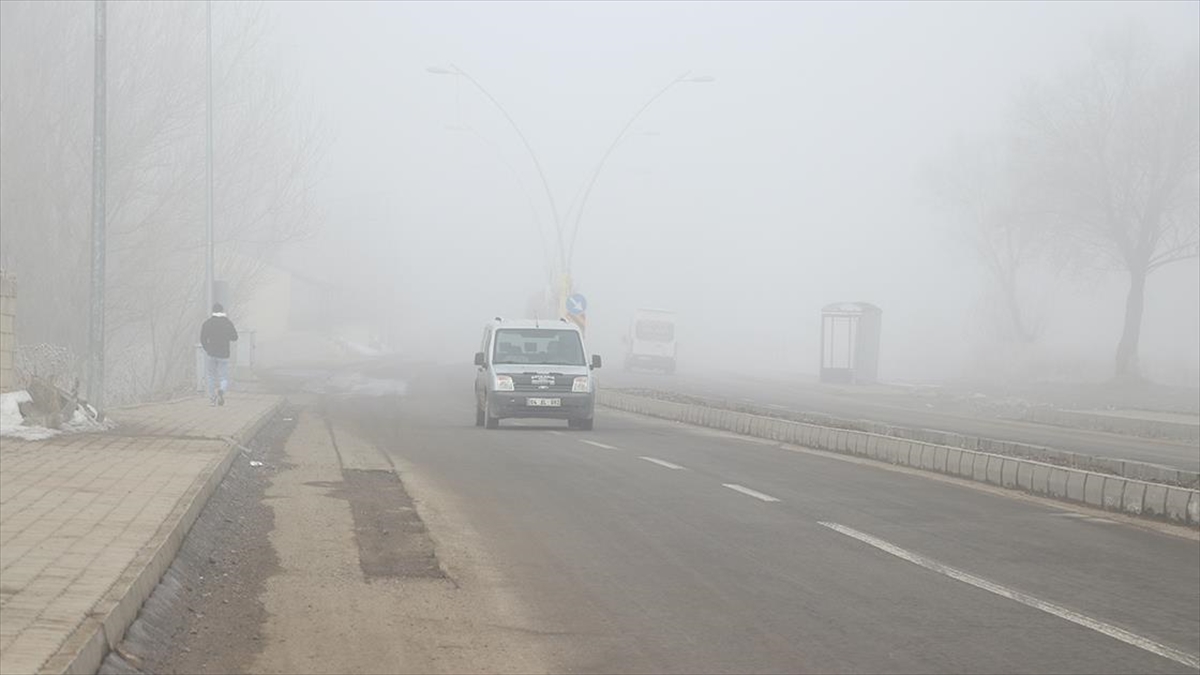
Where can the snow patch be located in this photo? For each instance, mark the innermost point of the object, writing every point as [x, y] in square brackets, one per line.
[359, 384]
[358, 349]
[28, 433]
[12, 423]
[10, 408]
[83, 422]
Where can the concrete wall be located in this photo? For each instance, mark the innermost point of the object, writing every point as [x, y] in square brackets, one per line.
[8, 337]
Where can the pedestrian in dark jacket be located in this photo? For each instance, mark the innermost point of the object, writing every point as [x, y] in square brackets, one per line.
[215, 336]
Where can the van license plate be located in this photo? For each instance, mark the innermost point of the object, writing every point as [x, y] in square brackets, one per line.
[543, 402]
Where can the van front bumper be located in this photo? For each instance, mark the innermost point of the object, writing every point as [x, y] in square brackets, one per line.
[574, 406]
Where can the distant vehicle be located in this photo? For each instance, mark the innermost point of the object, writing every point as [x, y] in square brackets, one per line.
[533, 368]
[650, 343]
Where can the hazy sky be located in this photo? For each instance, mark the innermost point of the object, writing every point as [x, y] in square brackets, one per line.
[790, 181]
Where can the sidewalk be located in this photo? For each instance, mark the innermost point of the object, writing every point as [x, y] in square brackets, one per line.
[89, 523]
[1142, 423]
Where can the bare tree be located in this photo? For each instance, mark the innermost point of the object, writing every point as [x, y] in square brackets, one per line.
[974, 185]
[45, 163]
[266, 153]
[1110, 159]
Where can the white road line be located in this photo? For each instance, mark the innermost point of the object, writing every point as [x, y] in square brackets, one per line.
[1189, 660]
[747, 491]
[777, 406]
[661, 463]
[598, 445]
[558, 433]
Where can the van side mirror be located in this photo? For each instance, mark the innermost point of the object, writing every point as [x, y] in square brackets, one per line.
[596, 362]
[479, 360]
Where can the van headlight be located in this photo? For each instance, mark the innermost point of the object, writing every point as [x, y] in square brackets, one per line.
[582, 385]
[504, 383]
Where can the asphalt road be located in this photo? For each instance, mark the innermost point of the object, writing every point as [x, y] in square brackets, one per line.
[837, 402]
[646, 546]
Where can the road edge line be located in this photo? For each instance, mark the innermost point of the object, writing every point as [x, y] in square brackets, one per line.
[1051, 608]
[1130, 497]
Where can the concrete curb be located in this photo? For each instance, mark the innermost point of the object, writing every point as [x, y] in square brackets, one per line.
[83, 652]
[1125, 468]
[1131, 496]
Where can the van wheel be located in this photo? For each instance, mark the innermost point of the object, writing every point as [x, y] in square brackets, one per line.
[478, 415]
[582, 425]
[489, 421]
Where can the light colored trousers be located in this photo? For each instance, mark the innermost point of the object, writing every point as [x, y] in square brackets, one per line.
[217, 370]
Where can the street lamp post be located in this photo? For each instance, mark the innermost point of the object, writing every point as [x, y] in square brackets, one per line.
[686, 77]
[458, 72]
[568, 215]
[99, 216]
[208, 166]
[565, 253]
[537, 221]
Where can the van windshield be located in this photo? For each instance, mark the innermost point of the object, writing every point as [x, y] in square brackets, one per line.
[654, 330]
[541, 346]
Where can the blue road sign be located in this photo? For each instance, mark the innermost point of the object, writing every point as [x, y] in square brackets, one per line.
[577, 304]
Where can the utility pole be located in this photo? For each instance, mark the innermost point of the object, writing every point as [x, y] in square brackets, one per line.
[208, 161]
[99, 123]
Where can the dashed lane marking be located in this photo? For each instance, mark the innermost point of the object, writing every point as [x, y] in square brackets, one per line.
[747, 491]
[661, 463]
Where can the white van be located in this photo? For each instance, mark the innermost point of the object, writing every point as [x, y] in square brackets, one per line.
[650, 342]
[534, 368]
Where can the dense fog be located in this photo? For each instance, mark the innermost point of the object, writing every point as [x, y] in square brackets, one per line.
[796, 178]
[799, 154]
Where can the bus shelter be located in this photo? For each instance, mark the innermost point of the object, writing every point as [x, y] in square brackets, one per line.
[850, 342]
